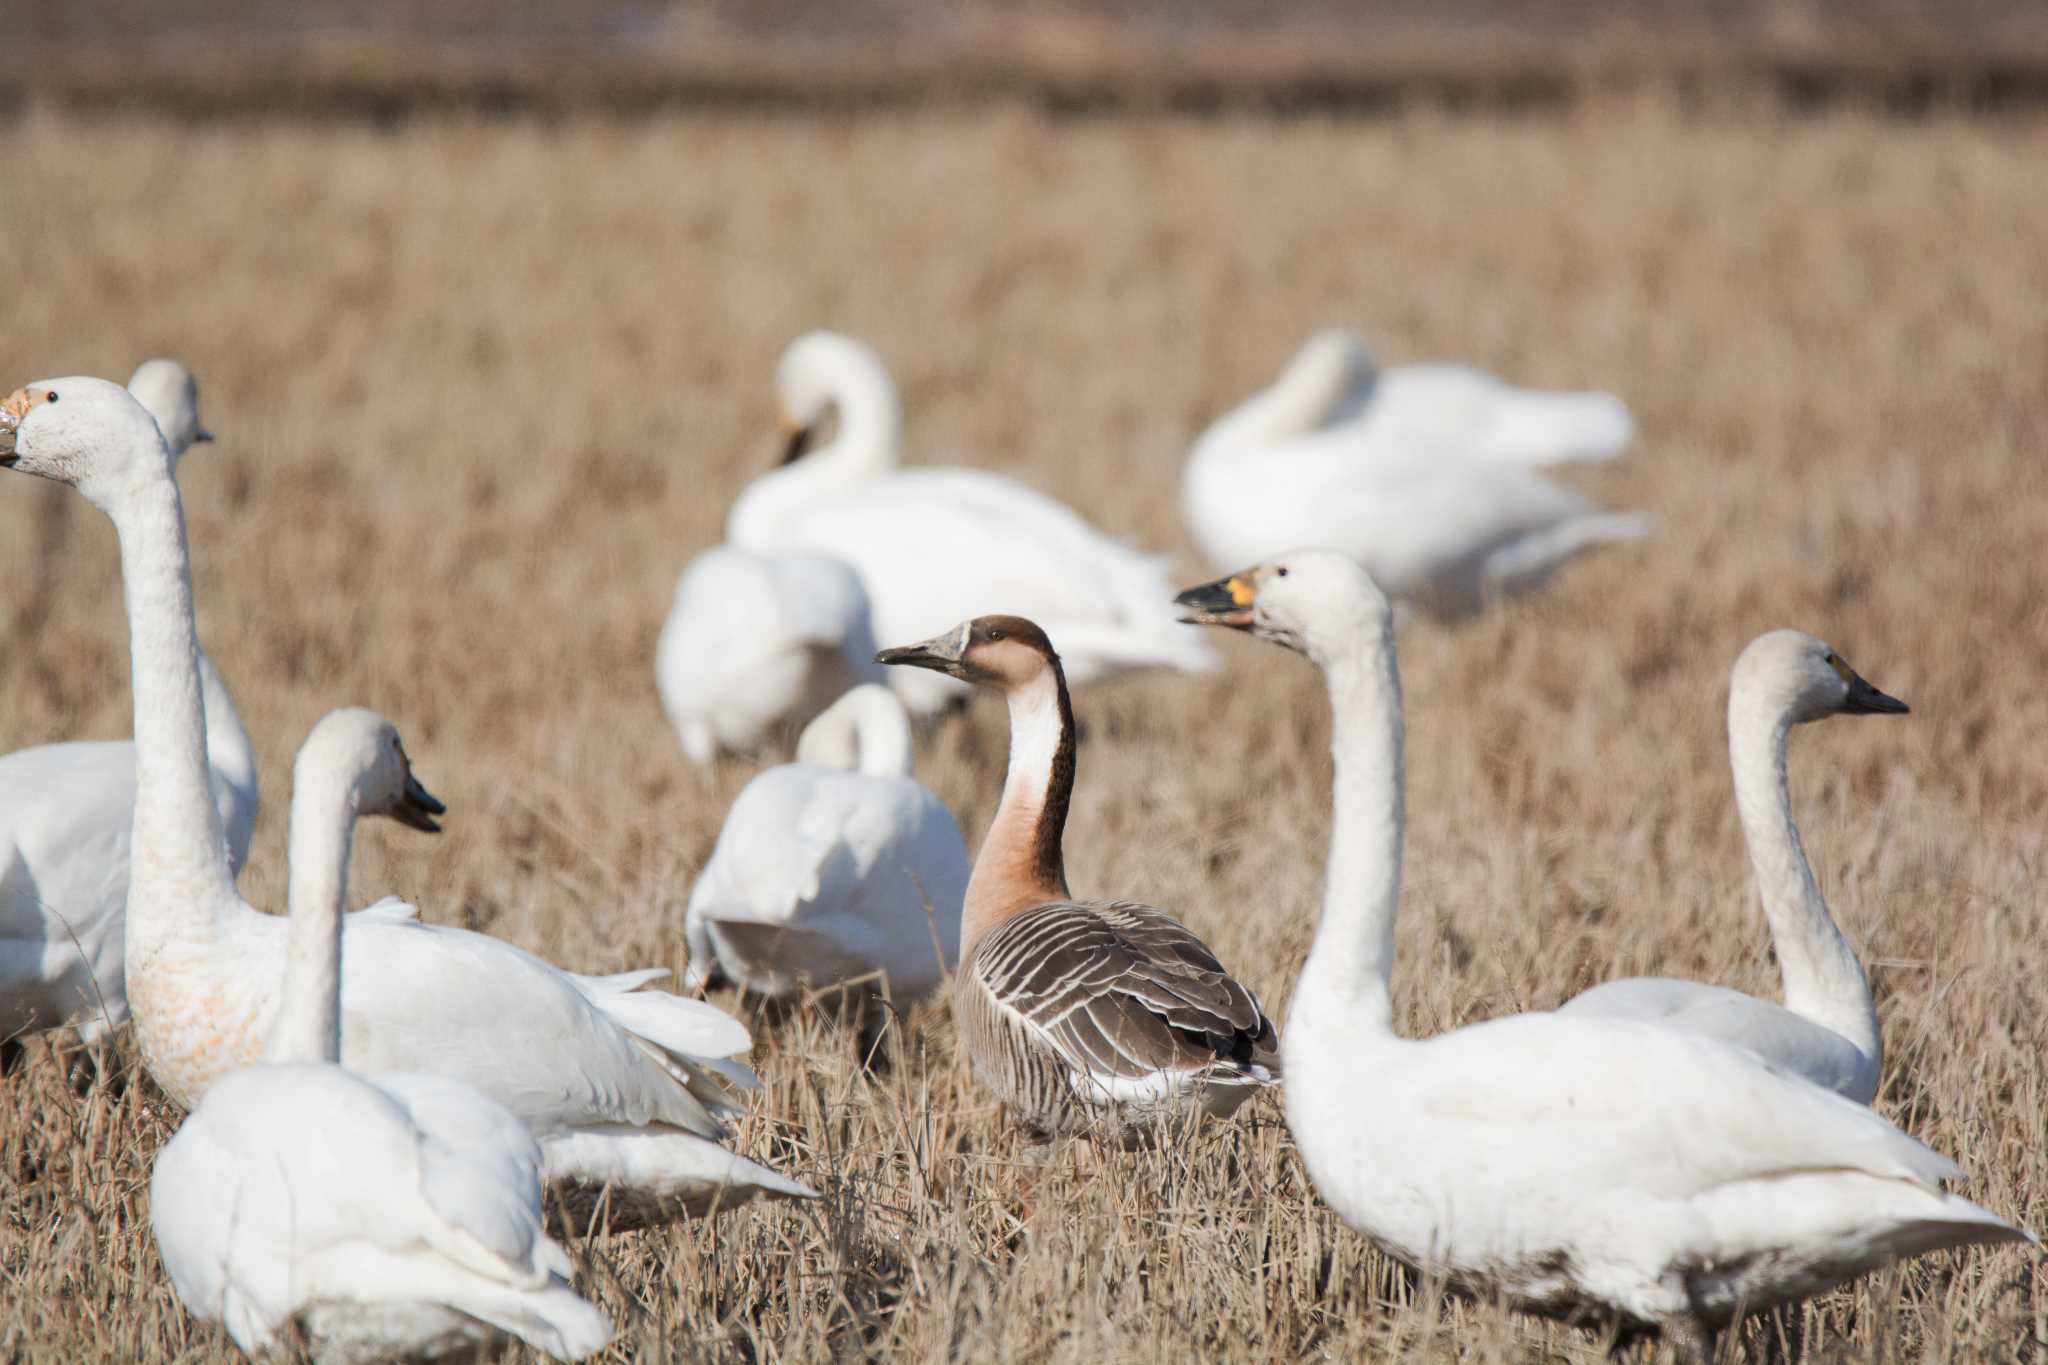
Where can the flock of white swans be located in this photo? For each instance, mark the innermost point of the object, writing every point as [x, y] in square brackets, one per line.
[376, 1103]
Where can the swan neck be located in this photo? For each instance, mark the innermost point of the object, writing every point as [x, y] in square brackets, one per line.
[866, 731]
[1295, 403]
[1350, 963]
[1021, 863]
[308, 1025]
[232, 758]
[1822, 977]
[178, 855]
[870, 422]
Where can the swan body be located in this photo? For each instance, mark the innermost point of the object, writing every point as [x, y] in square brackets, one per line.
[65, 813]
[622, 1087]
[1004, 546]
[837, 866]
[1827, 1029]
[1426, 475]
[1575, 1164]
[390, 1217]
[1107, 1018]
[754, 642]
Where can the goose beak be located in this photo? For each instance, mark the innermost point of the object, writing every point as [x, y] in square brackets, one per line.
[796, 440]
[1865, 700]
[1225, 602]
[941, 653]
[11, 412]
[418, 807]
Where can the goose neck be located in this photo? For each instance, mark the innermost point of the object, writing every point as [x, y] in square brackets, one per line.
[179, 864]
[1021, 863]
[308, 1024]
[1822, 977]
[1349, 972]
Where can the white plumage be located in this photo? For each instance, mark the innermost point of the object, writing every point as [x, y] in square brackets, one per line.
[758, 642]
[1571, 1163]
[65, 815]
[935, 545]
[1423, 474]
[1827, 1029]
[384, 1217]
[836, 866]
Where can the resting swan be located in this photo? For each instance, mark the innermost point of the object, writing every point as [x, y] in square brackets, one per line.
[1004, 547]
[382, 1216]
[65, 813]
[1082, 1016]
[1827, 1029]
[1422, 474]
[837, 866]
[1574, 1164]
[754, 642]
[623, 1088]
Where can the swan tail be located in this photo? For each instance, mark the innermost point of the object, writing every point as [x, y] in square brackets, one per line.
[1532, 559]
[1533, 429]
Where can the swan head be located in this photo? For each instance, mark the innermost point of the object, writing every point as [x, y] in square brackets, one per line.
[1003, 652]
[1801, 676]
[1307, 600]
[817, 373]
[86, 432]
[1337, 362]
[171, 394]
[362, 750]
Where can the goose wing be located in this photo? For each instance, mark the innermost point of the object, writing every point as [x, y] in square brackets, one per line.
[1124, 992]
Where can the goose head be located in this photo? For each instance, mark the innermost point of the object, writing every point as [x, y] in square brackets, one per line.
[1799, 675]
[1310, 601]
[1003, 652]
[171, 394]
[89, 433]
[826, 372]
[362, 750]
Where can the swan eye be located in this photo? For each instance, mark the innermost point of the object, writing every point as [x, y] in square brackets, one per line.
[1283, 571]
[50, 397]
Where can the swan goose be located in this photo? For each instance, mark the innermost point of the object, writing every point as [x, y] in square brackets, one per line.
[834, 867]
[623, 1088]
[754, 642]
[1006, 547]
[65, 812]
[1575, 1164]
[1424, 475]
[1827, 1029]
[1082, 1016]
[258, 1201]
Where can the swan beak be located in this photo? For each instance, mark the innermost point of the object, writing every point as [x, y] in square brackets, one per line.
[418, 807]
[1225, 602]
[941, 653]
[202, 434]
[796, 440]
[1865, 700]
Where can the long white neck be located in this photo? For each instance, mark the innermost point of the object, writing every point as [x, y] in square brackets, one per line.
[1021, 863]
[1348, 976]
[308, 1024]
[1823, 979]
[233, 760]
[178, 861]
[1295, 403]
[866, 731]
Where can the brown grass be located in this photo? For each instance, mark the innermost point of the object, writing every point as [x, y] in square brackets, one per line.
[483, 388]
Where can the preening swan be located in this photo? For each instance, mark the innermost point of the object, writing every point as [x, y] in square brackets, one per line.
[1827, 1029]
[1423, 474]
[623, 1088]
[755, 642]
[1573, 1163]
[384, 1216]
[65, 813]
[1003, 546]
[837, 866]
[1082, 1016]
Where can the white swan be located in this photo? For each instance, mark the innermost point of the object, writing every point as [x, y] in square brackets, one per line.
[1003, 547]
[622, 1087]
[1575, 1164]
[834, 867]
[387, 1216]
[754, 642]
[1420, 473]
[65, 812]
[1827, 1029]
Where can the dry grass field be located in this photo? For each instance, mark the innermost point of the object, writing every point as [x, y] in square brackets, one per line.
[483, 388]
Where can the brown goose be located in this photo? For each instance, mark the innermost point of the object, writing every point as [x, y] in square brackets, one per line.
[1101, 1016]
